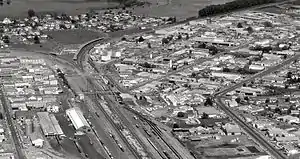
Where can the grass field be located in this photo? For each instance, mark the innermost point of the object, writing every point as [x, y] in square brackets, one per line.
[66, 37]
[272, 9]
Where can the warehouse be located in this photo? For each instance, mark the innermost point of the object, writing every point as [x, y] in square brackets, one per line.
[49, 124]
[77, 119]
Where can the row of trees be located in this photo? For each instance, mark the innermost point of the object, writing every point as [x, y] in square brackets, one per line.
[130, 3]
[230, 6]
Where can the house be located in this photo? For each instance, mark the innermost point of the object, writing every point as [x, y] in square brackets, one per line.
[232, 129]
[126, 97]
[276, 132]
[36, 139]
[229, 76]
[232, 103]
[287, 139]
[256, 67]
[212, 112]
[17, 105]
[250, 91]
[38, 142]
[289, 119]
[262, 124]
[2, 138]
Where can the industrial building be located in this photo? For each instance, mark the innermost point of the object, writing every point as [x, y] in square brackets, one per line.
[49, 124]
[77, 119]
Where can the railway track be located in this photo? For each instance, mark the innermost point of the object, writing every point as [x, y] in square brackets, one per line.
[157, 131]
[116, 127]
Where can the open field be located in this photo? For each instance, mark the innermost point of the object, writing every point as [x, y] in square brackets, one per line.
[178, 8]
[66, 37]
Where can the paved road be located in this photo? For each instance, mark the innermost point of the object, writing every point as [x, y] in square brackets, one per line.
[11, 125]
[250, 131]
[258, 75]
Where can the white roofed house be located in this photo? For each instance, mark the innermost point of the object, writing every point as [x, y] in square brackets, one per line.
[32, 61]
[78, 120]
[250, 91]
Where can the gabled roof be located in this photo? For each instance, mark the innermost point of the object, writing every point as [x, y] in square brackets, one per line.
[77, 118]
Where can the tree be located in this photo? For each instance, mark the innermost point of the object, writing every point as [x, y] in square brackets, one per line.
[36, 39]
[62, 26]
[187, 37]
[202, 45]
[250, 29]
[164, 41]
[180, 114]
[193, 75]
[212, 49]
[277, 110]
[123, 38]
[226, 69]
[238, 100]
[5, 39]
[268, 24]
[230, 6]
[205, 116]
[31, 13]
[141, 39]
[179, 37]
[267, 100]
[289, 74]
[239, 25]
[208, 101]
[175, 125]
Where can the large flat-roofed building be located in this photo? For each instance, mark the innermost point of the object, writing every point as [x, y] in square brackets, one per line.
[77, 119]
[49, 124]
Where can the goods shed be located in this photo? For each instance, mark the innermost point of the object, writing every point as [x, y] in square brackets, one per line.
[77, 119]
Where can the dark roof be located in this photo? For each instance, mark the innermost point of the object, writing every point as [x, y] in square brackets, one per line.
[25, 114]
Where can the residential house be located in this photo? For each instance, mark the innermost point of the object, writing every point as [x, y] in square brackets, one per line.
[289, 119]
[232, 129]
